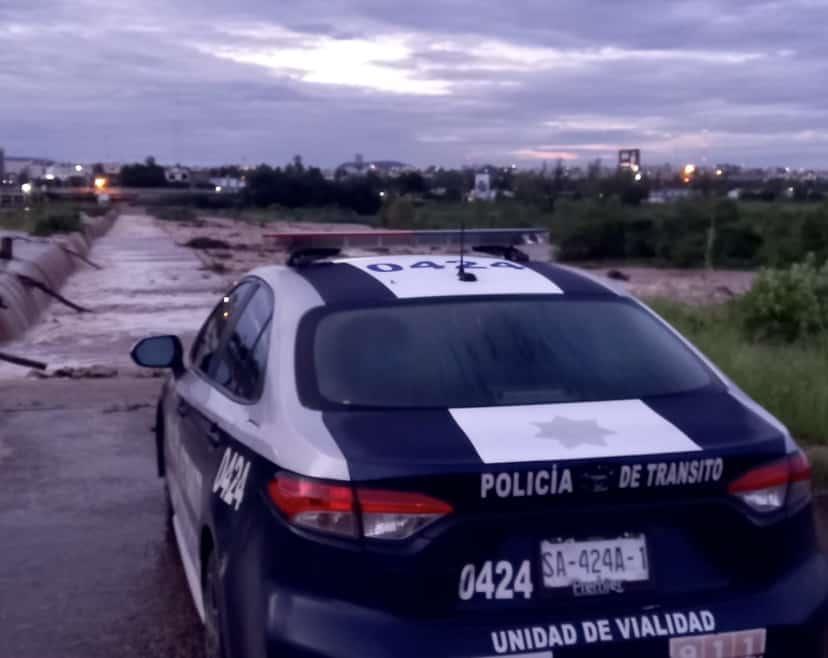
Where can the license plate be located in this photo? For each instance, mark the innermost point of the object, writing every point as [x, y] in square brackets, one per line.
[568, 563]
[743, 644]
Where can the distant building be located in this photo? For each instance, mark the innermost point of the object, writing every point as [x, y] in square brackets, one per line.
[482, 188]
[228, 184]
[382, 168]
[64, 172]
[669, 195]
[177, 174]
[629, 159]
[34, 168]
[2, 166]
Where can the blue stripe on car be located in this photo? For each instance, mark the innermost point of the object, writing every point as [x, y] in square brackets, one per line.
[569, 281]
[400, 442]
[339, 282]
[715, 419]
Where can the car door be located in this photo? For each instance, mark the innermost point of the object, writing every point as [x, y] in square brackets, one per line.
[191, 436]
[216, 404]
[238, 380]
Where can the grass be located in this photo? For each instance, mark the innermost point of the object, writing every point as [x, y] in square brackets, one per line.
[502, 214]
[328, 214]
[46, 220]
[789, 380]
[17, 220]
[402, 214]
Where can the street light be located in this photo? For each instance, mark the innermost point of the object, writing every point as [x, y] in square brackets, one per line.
[100, 183]
[218, 189]
[26, 188]
[79, 168]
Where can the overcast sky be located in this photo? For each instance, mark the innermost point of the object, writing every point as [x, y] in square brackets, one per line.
[427, 81]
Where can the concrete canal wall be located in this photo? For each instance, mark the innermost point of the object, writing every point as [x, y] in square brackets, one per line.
[31, 267]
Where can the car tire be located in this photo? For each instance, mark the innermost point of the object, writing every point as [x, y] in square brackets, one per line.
[213, 641]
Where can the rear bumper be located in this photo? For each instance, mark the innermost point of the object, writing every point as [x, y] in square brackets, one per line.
[793, 611]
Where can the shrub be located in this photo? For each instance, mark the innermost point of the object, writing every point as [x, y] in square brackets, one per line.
[788, 304]
[737, 245]
[398, 213]
[65, 221]
[787, 379]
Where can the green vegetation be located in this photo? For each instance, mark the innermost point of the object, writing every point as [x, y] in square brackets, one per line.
[685, 234]
[148, 174]
[404, 213]
[42, 221]
[789, 304]
[16, 220]
[692, 233]
[57, 221]
[330, 214]
[788, 379]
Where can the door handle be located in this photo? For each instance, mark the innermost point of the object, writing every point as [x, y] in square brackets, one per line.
[214, 434]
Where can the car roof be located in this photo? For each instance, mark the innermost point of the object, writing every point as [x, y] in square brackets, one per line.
[384, 278]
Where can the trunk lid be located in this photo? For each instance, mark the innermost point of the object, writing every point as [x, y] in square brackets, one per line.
[532, 487]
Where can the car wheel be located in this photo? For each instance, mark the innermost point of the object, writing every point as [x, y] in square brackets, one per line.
[213, 643]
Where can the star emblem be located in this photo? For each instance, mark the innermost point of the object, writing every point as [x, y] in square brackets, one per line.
[573, 433]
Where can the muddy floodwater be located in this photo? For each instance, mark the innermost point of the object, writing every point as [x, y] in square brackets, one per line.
[148, 285]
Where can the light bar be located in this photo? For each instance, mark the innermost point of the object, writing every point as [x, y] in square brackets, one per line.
[491, 237]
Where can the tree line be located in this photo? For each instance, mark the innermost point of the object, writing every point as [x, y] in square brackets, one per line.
[296, 186]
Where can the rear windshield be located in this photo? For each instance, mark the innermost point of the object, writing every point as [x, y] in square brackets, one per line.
[504, 352]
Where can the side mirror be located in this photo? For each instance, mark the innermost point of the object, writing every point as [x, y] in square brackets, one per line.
[160, 352]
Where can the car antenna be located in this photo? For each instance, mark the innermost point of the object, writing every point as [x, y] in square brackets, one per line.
[464, 276]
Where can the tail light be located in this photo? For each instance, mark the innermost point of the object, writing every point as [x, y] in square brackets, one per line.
[347, 512]
[324, 507]
[770, 488]
[397, 515]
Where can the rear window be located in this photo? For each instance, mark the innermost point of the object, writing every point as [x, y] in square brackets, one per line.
[503, 352]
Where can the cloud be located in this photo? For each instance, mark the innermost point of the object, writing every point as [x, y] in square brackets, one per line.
[362, 63]
[446, 81]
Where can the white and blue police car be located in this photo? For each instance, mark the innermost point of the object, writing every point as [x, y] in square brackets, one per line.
[388, 456]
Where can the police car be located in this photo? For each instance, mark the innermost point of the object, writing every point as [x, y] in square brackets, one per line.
[409, 456]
